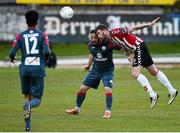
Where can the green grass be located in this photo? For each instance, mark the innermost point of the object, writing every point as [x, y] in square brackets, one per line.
[130, 110]
[64, 50]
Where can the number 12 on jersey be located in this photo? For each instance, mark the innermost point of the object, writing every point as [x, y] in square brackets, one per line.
[31, 40]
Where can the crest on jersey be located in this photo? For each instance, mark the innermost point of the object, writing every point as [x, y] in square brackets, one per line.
[31, 31]
[103, 47]
[99, 55]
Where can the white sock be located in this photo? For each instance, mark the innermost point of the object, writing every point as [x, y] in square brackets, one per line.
[164, 80]
[146, 85]
[76, 107]
[109, 111]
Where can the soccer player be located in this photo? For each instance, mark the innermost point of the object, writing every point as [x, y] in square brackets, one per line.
[137, 52]
[34, 46]
[101, 54]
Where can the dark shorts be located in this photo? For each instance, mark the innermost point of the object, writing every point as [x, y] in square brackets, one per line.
[142, 56]
[32, 85]
[92, 80]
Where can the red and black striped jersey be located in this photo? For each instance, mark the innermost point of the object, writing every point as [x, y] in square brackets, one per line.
[127, 40]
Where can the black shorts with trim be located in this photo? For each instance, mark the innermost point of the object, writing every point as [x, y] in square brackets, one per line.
[142, 56]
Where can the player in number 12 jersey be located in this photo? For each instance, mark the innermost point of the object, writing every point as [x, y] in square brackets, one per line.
[34, 46]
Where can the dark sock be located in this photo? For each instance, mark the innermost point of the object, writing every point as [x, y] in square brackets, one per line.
[28, 123]
[80, 98]
[108, 101]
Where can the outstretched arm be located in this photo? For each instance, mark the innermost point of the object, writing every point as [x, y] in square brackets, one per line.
[141, 26]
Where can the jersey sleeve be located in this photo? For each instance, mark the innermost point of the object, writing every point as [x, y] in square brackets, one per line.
[89, 45]
[45, 44]
[15, 47]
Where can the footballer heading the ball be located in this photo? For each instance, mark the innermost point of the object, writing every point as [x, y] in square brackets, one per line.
[66, 12]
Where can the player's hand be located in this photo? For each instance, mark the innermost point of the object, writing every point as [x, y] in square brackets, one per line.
[46, 58]
[124, 30]
[86, 67]
[152, 23]
[131, 58]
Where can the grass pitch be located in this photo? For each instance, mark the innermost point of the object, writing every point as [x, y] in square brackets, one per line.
[130, 112]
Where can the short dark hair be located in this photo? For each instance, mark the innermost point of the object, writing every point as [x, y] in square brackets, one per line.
[101, 27]
[92, 31]
[32, 17]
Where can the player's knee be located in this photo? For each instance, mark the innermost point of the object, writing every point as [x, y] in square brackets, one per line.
[135, 74]
[154, 72]
[83, 89]
[108, 90]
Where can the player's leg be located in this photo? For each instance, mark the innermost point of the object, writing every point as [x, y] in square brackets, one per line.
[32, 97]
[107, 79]
[145, 84]
[37, 88]
[109, 100]
[81, 95]
[163, 80]
[27, 112]
[92, 80]
[142, 80]
[25, 86]
[26, 106]
[142, 58]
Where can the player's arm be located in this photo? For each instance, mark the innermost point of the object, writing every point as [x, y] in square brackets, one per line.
[90, 61]
[131, 57]
[46, 46]
[15, 47]
[116, 46]
[141, 26]
[127, 52]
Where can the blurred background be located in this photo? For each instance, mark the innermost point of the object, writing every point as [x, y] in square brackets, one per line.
[69, 37]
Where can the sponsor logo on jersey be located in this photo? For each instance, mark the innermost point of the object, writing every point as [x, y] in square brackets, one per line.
[99, 55]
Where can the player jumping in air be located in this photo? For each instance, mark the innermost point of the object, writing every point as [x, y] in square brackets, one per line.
[137, 52]
[101, 54]
[34, 46]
